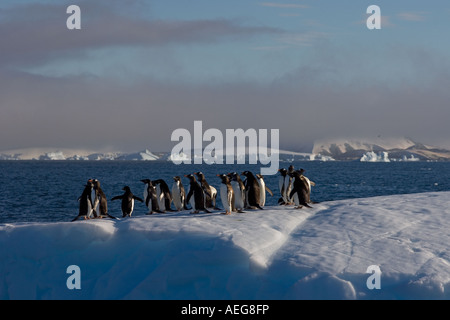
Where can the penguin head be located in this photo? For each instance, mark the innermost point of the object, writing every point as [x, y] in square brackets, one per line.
[283, 171]
[146, 181]
[90, 183]
[246, 173]
[126, 189]
[176, 179]
[224, 177]
[199, 174]
[96, 184]
[191, 177]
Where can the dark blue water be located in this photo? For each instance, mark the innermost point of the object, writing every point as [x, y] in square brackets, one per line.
[43, 191]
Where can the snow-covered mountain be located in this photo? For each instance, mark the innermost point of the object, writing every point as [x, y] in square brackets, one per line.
[396, 148]
[379, 148]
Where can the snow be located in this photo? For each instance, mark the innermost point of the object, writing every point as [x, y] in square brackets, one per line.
[374, 157]
[276, 253]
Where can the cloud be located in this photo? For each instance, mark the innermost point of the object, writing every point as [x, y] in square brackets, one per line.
[41, 35]
[412, 16]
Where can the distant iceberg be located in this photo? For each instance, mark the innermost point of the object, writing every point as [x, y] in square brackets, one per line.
[412, 159]
[145, 155]
[374, 157]
[58, 155]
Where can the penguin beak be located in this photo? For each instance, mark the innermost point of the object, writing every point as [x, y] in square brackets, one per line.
[143, 181]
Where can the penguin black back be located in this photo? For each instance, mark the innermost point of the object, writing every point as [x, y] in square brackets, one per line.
[196, 191]
[253, 188]
[128, 199]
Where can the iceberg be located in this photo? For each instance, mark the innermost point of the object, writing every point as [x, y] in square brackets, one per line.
[374, 157]
[278, 254]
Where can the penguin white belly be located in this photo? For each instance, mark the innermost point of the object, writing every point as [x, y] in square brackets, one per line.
[287, 188]
[213, 195]
[280, 186]
[296, 200]
[176, 196]
[160, 197]
[262, 192]
[238, 198]
[132, 206]
[95, 204]
[145, 192]
[226, 201]
[192, 202]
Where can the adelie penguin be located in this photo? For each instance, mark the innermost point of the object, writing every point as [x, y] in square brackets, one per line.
[309, 183]
[263, 188]
[285, 186]
[86, 204]
[299, 191]
[178, 194]
[253, 190]
[239, 191]
[128, 199]
[226, 193]
[210, 191]
[196, 196]
[150, 197]
[163, 194]
[100, 203]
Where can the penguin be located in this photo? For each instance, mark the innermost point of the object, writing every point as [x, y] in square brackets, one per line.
[253, 190]
[95, 201]
[178, 194]
[163, 194]
[239, 191]
[226, 194]
[196, 196]
[299, 191]
[263, 188]
[210, 191]
[150, 197]
[128, 199]
[100, 202]
[285, 185]
[86, 205]
[309, 183]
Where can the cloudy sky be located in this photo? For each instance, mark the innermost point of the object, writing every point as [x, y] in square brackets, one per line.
[138, 70]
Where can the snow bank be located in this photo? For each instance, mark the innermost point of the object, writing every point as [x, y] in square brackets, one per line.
[277, 253]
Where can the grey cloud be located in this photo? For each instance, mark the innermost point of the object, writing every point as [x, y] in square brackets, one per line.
[41, 33]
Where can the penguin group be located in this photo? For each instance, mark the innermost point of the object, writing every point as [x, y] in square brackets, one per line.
[236, 194]
[295, 188]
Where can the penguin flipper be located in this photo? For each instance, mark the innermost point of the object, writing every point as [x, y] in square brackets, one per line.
[138, 199]
[269, 191]
[116, 198]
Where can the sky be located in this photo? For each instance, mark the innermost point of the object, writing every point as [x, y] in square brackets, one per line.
[138, 70]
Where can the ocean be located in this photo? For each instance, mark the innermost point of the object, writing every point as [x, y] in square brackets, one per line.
[47, 191]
